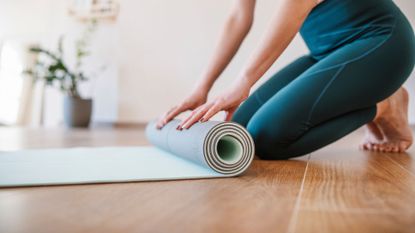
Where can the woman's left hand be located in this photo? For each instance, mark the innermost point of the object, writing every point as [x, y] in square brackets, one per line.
[228, 102]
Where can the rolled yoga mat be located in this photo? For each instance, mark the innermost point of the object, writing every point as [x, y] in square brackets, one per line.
[206, 150]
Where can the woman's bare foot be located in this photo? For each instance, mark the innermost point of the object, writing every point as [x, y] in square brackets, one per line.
[390, 131]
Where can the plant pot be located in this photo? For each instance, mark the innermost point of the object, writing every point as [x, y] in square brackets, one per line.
[77, 111]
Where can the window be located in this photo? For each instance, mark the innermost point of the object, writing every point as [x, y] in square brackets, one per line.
[11, 68]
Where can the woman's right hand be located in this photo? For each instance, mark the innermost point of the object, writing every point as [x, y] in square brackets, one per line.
[197, 98]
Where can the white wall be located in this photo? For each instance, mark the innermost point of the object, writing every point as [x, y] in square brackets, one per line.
[165, 45]
[23, 18]
[168, 43]
[154, 52]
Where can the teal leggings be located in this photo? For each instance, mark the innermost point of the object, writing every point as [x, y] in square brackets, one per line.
[313, 102]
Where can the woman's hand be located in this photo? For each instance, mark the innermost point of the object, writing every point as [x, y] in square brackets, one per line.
[191, 102]
[233, 33]
[228, 102]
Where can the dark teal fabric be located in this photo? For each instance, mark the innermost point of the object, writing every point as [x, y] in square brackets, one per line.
[361, 52]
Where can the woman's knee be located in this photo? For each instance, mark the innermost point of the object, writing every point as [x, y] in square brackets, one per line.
[275, 152]
[272, 139]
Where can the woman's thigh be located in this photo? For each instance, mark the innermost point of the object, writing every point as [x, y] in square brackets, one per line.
[278, 81]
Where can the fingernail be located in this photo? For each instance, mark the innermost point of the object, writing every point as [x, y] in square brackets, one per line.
[202, 119]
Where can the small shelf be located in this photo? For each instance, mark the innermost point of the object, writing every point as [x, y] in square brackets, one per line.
[94, 9]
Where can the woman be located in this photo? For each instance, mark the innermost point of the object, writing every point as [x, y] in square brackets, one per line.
[361, 52]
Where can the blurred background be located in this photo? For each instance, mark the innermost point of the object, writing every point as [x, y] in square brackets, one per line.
[133, 58]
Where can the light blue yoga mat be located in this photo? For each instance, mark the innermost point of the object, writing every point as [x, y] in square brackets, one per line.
[206, 150]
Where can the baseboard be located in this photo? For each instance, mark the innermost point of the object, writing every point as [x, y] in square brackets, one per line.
[134, 125]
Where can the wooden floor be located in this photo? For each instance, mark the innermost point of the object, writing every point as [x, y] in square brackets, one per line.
[336, 189]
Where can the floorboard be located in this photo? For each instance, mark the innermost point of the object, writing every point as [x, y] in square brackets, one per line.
[346, 188]
[261, 200]
[335, 189]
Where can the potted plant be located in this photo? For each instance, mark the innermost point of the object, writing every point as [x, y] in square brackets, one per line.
[50, 68]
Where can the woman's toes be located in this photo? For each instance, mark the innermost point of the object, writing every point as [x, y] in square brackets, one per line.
[364, 146]
[369, 146]
[382, 148]
[404, 145]
[387, 147]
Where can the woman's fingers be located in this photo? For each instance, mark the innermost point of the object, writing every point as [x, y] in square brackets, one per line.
[229, 114]
[204, 113]
[162, 120]
[174, 113]
[181, 123]
[211, 112]
[168, 116]
[194, 116]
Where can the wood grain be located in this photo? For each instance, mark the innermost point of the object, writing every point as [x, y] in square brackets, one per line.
[405, 160]
[346, 222]
[260, 200]
[355, 190]
[336, 189]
